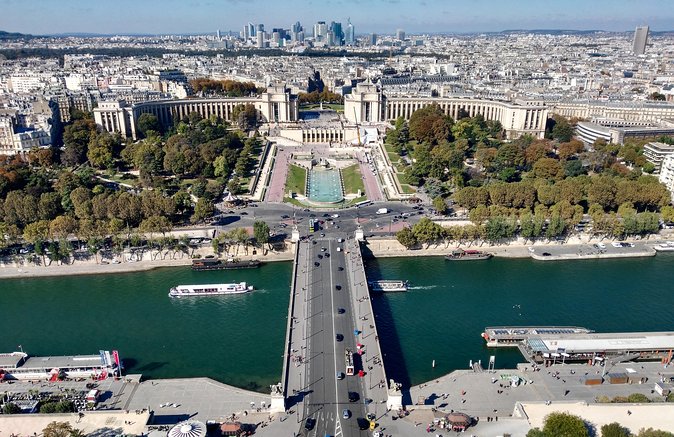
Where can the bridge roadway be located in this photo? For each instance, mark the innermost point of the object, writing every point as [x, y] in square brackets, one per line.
[326, 282]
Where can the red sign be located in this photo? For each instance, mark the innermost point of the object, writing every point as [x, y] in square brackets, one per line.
[115, 356]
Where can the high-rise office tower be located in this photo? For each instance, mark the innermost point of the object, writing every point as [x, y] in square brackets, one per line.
[337, 33]
[350, 37]
[320, 30]
[640, 40]
[373, 39]
[330, 39]
[260, 28]
[218, 33]
[297, 27]
[251, 29]
[260, 39]
[246, 33]
[400, 34]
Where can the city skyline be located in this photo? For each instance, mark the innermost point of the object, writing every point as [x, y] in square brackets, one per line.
[378, 16]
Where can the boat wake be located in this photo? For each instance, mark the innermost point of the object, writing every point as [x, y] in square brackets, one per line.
[423, 287]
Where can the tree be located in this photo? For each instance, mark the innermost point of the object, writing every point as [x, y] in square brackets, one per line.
[102, 147]
[234, 185]
[76, 141]
[499, 228]
[638, 398]
[470, 197]
[203, 209]
[650, 432]
[562, 131]
[61, 429]
[11, 408]
[564, 425]
[536, 432]
[62, 226]
[406, 237]
[426, 231]
[147, 122]
[440, 205]
[549, 169]
[614, 430]
[602, 191]
[261, 232]
[556, 226]
[246, 117]
[431, 125]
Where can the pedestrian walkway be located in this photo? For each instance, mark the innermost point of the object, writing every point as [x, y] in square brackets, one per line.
[373, 365]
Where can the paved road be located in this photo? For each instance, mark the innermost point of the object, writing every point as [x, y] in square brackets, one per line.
[327, 396]
[280, 216]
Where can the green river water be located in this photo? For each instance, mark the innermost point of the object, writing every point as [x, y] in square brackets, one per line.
[239, 339]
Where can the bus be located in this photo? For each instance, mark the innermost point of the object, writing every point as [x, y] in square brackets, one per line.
[312, 225]
[362, 203]
[348, 357]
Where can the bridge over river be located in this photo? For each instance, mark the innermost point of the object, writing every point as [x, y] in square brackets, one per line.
[330, 313]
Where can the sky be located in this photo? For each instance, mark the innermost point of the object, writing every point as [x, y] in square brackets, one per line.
[41, 17]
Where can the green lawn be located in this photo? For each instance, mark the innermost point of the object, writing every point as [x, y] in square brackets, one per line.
[353, 180]
[407, 189]
[296, 180]
[333, 106]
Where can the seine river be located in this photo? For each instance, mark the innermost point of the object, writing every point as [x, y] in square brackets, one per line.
[239, 339]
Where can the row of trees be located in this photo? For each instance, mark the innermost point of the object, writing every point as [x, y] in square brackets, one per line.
[228, 88]
[316, 97]
[644, 193]
[239, 237]
[568, 425]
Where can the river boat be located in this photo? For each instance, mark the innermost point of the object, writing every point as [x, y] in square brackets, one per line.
[209, 289]
[388, 286]
[467, 255]
[218, 264]
[21, 366]
[667, 246]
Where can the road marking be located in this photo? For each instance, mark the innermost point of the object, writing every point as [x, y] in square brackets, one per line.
[338, 428]
[334, 341]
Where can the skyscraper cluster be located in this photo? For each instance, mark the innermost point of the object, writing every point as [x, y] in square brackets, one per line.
[321, 34]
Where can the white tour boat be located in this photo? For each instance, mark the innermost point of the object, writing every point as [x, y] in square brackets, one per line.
[209, 289]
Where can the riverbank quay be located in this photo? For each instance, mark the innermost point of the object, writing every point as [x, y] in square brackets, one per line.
[91, 423]
[486, 395]
[573, 248]
[147, 403]
[148, 261]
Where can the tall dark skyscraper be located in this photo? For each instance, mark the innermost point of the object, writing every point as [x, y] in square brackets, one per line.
[337, 33]
[640, 40]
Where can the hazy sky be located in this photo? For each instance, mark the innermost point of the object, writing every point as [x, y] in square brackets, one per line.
[380, 16]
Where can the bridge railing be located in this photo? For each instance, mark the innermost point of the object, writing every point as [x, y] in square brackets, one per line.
[289, 327]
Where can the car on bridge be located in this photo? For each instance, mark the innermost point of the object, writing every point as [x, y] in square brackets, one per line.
[338, 287]
[341, 311]
[363, 423]
[353, 396]
[310, 423]
[340, 375]
[346, 413]
[339, 337]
